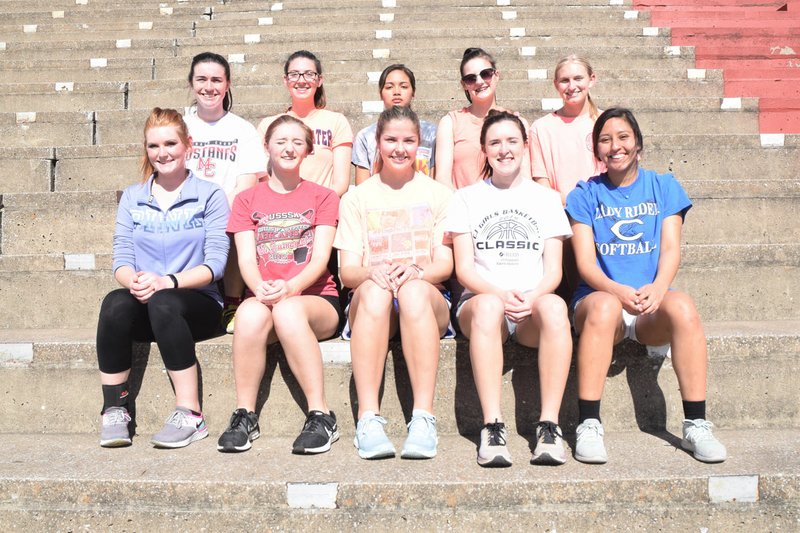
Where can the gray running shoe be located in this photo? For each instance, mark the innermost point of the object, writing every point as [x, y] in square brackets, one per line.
[493, 452]
[589, 447]
[181, 429]
[114, 432]
[698, 439]
[549, 448]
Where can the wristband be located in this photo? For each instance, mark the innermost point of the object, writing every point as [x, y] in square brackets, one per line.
[174, 280]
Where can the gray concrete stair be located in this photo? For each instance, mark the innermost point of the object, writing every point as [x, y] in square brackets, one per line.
[647, 485]
[751, 367]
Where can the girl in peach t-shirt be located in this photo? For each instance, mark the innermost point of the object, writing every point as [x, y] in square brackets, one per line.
[561, 142]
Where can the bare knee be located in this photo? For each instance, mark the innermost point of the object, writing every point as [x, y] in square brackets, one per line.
[682, 312]
[373, 301]
[253, 318]
[414, 297]
[551, 312]
[602, 311]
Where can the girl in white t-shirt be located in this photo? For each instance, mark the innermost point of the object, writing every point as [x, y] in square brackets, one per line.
[507, 235]
[394, 257]
[226, 150]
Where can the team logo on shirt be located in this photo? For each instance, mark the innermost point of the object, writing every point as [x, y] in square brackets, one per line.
[284, 237]
[508, 233]
[209, 152]
[626, 224]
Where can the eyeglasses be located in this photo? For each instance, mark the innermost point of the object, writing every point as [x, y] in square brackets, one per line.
[295, 76]
[486, 75]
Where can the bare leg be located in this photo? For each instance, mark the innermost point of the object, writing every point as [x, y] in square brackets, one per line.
[185, 382]
[677, 322]
[423, 318]
[548, 328]
[372, 321]
[482, 322]
[254, 329]
[300, 322]
[598, 320]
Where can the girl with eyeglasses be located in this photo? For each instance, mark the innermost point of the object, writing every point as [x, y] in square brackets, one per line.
[459, 158]
[396, 86]
[329, 164]
[226, 150]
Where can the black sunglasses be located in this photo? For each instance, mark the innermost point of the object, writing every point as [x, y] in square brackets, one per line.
[486, 75]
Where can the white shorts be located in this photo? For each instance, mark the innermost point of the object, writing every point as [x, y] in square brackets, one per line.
[510, 326]
[629, 325]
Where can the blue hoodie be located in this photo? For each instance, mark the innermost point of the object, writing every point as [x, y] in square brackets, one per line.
[190, 233]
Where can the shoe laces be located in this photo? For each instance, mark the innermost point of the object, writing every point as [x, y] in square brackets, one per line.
[179, 419]
[239, 420]
[591, 429]
[495, 433]
[699, 430]
[548, 431]
[421, 424]
[116, 416]
[315, 423]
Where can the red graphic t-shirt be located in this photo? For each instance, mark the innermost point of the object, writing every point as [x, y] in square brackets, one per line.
[284, 227]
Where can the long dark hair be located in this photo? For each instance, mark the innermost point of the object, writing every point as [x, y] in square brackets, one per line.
[616, 112]
[211, 57]
[319, 94]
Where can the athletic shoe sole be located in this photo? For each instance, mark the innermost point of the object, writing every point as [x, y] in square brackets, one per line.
[497, 461]
[545, 459]
[115, 443]
[374, 454]
[197, 435]
[243, 448]
[592, 460]
[322, 449]
[417, 454]
[689, 447]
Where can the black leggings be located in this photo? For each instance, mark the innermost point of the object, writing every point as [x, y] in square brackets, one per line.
[174, 318]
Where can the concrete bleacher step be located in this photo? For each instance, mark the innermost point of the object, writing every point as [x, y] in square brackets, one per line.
[114, 166]
[40, 291]
[647, 485]
[51, 379]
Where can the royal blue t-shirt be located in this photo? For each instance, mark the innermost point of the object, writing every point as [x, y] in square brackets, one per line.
[626, 222]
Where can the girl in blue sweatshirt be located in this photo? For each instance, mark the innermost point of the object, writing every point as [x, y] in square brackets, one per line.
[170, 247]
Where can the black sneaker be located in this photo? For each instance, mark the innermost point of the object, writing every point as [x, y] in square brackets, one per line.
[242, 430]
[319, 432]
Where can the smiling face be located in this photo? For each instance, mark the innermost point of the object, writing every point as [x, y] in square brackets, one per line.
[287, 147]
[397, 90]
[398, 145]
[617, 148]
[302, 78]
[165, 150]
[573, 81]
[504, 147]
[481, 90]
[210, 84]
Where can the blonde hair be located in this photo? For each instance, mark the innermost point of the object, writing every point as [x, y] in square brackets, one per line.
[161, 118]
[582, 61]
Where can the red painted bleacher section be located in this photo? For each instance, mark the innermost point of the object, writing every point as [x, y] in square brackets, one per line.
[756, 43]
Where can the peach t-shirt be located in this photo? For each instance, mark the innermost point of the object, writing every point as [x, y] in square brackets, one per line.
[561, 151]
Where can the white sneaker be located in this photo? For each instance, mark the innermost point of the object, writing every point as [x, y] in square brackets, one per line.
[589, 447]
[698, 439]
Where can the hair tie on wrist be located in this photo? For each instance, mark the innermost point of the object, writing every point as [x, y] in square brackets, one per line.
[174, 280]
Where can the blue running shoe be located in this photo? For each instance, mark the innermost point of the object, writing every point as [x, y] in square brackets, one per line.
[371, 439]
